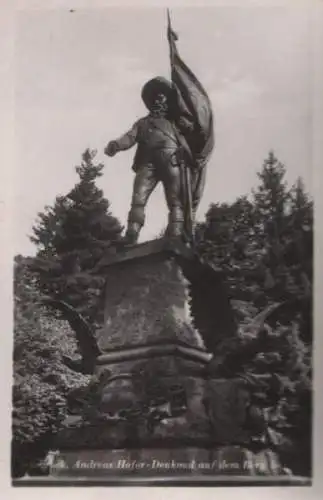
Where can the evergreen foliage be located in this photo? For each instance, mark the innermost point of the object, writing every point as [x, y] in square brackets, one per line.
[71, 237]
[41, 380]
[264, 243]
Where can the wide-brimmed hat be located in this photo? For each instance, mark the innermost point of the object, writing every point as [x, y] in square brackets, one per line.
[152, 88]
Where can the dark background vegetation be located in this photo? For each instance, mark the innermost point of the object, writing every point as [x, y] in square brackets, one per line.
[263, 241]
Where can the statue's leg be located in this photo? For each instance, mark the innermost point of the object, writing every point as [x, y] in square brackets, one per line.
[171, 178]
[144, 184]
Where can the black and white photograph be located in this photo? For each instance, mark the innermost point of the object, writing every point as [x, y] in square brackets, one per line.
[163, 246]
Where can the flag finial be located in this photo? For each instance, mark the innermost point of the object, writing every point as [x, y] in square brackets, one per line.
[171, 34]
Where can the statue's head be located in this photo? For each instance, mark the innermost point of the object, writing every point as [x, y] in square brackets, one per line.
[156, 93]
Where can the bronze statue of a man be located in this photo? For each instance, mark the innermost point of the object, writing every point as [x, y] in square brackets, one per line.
[161, 147]
[175, 141]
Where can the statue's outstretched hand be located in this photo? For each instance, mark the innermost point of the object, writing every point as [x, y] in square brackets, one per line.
[111, 149]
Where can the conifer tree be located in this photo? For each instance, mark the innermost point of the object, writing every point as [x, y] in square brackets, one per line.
[299, 248]
[72, 236]
[271, 197]
[264, 245]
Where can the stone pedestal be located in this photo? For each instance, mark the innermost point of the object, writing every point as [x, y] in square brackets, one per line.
[152, 407]
[145, 300]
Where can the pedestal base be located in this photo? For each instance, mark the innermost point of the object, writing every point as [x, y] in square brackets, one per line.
[153, 410]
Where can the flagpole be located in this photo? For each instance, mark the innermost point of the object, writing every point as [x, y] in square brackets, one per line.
[184, 168]
[169, 37]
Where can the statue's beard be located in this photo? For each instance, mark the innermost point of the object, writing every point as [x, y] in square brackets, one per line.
[159, 110]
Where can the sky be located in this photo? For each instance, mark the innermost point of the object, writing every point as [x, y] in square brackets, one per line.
[78, 78]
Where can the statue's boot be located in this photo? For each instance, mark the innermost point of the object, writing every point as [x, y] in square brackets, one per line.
[176, 230]
[132, 234]
[175, 233]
